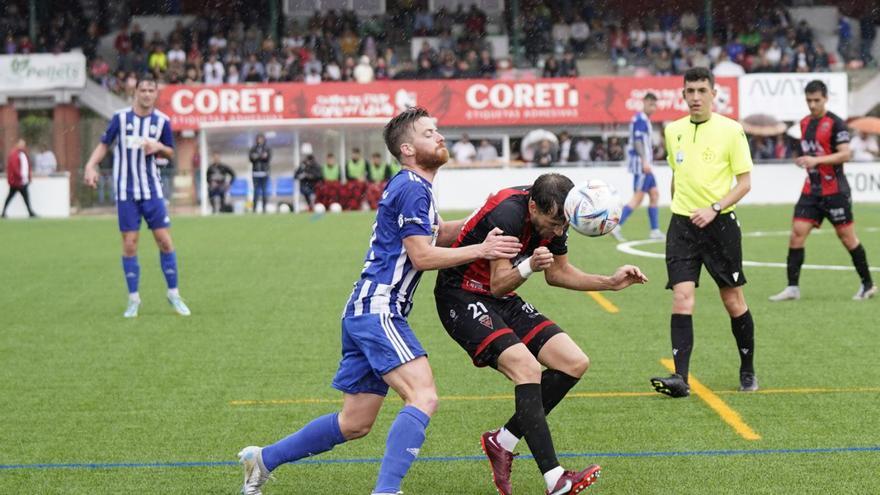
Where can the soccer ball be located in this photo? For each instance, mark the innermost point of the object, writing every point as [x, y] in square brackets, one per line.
[335, 208]
[593, 208]
[319, 209]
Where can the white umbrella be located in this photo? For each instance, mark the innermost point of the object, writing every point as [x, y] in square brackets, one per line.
[533, 139]
[794, 131]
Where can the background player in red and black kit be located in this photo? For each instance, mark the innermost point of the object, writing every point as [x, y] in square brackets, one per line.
[826, 193]
[480, 311]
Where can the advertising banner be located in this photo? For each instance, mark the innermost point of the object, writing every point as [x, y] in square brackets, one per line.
[466, 103]
[782, 95]
[28, 73]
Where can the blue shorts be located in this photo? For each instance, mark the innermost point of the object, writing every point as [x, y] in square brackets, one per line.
[153, 210]
[643, 182]
[373, 345]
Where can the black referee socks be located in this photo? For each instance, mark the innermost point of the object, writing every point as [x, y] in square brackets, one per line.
[530, 411]
[793, 263]
[554, 385]
[682, 343]
[743, 328]
[860, 261]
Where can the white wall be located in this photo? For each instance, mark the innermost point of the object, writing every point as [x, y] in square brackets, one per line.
[467, 189]
[50, 197]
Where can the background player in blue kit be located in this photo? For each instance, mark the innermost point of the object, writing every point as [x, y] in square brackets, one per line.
[639, 155]
[142, 134]
[379, 349]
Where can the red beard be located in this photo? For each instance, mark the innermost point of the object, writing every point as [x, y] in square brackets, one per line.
[432, 160]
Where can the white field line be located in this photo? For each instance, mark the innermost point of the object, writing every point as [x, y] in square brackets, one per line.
[630, 247]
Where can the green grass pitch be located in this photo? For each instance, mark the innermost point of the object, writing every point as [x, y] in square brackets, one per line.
[107, 397]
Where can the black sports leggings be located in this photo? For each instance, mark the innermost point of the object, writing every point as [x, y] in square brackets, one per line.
[24, 194]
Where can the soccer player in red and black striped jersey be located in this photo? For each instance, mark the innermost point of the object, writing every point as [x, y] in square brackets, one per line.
[478, 307]
[826, 193]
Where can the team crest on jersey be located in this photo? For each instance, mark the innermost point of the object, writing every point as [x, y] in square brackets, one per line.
[708, 155]
[679, 157]
[153, 129]
[486, 321]
[129, 127]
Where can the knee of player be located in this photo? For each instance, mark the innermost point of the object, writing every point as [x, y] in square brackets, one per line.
[166, 246]
[734, 302]
[356, 430]
[129, 248]
[683, 301]
[525, 369]
[579, 365]
[427, 402]
[848, 238]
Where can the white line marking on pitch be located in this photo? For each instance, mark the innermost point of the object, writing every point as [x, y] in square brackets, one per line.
[630, 248]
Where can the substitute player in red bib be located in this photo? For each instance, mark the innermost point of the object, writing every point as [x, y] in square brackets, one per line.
[478, 307]
[826, 193]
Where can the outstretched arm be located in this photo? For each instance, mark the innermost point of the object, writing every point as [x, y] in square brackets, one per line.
[563, 274]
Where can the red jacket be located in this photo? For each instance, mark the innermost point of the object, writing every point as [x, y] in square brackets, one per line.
[14, 173]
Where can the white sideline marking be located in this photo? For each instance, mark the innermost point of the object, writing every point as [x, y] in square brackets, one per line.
[629, 247]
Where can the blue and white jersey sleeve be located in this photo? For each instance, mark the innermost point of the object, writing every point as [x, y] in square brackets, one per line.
[166, 136]
[415, 211]
[639, 128]
[112, 131]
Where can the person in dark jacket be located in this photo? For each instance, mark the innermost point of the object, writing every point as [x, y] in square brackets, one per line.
[260, 155]
[309, 174]
[220, 177]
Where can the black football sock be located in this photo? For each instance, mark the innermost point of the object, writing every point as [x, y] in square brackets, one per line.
[682, 342]
[530, 411]
[860, 261]
[743, 327]
[793, 262]
[554, 385]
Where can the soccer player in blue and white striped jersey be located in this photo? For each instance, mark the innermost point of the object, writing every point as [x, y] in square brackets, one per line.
[379, 349]
[639, 155]
[143, 136]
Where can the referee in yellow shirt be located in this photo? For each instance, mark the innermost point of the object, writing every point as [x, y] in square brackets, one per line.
[706, 151]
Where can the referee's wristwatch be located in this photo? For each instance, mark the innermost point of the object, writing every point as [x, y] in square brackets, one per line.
[716, 207]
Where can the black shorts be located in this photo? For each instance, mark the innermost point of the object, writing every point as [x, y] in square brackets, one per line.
[718, 246]
[485, 326]
[837, 208]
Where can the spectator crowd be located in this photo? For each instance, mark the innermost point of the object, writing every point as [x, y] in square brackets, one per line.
[217, 48]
